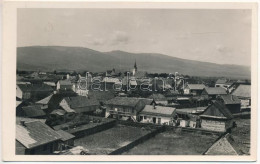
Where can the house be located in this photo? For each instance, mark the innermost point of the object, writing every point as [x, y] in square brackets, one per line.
[101, 96]
[217, 117]
[35, 138]
[31, 111]
[224, 146]
[64, 85]
[124, 108]
[60, 116]
[232, 102]
[157, 114]
[66, 141]
[32, 91]
[243, 92]
[159, 98]
[80, 104]
[194, 89]
[213, 92]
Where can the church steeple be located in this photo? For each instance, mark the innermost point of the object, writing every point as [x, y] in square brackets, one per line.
[135, 66]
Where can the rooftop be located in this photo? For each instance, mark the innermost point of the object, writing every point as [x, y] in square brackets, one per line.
[35, 133]
[158, 110]
[215, 91]
[196, 86]
[242, 91]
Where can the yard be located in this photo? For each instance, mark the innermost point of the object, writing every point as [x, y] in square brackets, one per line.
[107, 141]
[172, 143]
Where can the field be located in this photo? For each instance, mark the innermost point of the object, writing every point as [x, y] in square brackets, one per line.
[172, 143]
[111, 139]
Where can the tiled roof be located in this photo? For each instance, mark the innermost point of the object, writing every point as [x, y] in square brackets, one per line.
[34, 87]
[159, 110]
[242, 91]
[33, 111]
[217, 110]
[65, 136]
[81, 101]
[230, 99]
[123, 101]
[196, 86]
[35, 133]
[215, 91]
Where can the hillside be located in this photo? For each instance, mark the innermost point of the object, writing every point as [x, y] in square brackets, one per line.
[49, 58]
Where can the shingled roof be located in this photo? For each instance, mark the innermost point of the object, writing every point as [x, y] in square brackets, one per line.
[65, 136]
[215, 91]
[33, 111]
[81, 101]
[217, 110]
[35, 133]
[242, 91]
[45, 101]
[230, 99]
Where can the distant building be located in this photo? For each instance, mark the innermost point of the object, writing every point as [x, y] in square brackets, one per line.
[33, 91]
[213, 92]
[216, 117]
[64, 85]
[194, 89]
[243, 92]
[157, 114]
[124, 108]
[32, 111]
[231, 102]
[35, 138]
[80, 104]
[159, 98]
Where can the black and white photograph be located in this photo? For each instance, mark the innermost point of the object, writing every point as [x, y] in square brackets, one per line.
[133, 81]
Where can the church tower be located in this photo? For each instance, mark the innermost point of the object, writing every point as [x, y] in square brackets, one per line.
[135, 68]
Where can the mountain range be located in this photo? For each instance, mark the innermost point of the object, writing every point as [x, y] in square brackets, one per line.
[50, 58]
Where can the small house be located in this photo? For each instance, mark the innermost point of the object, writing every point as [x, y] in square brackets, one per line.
[224, 83]
[80, 104]
[31, 111]
[35, 138]
[232, 102]
[33, 91]
[243, 92]
[194, 89]
[159, 98]
[213, 92]
[64, 85]
[124, 108]
[157, 114]
[217, 117]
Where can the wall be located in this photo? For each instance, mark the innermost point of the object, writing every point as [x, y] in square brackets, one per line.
[19, 92]
[213, 125]
[150, 118]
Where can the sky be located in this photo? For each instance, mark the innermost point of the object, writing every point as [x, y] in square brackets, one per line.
[216, 35]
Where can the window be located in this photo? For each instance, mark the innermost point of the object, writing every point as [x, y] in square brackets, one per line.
[45, 147]
[145, 117]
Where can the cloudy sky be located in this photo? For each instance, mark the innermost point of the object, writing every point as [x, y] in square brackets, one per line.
[218, 36]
